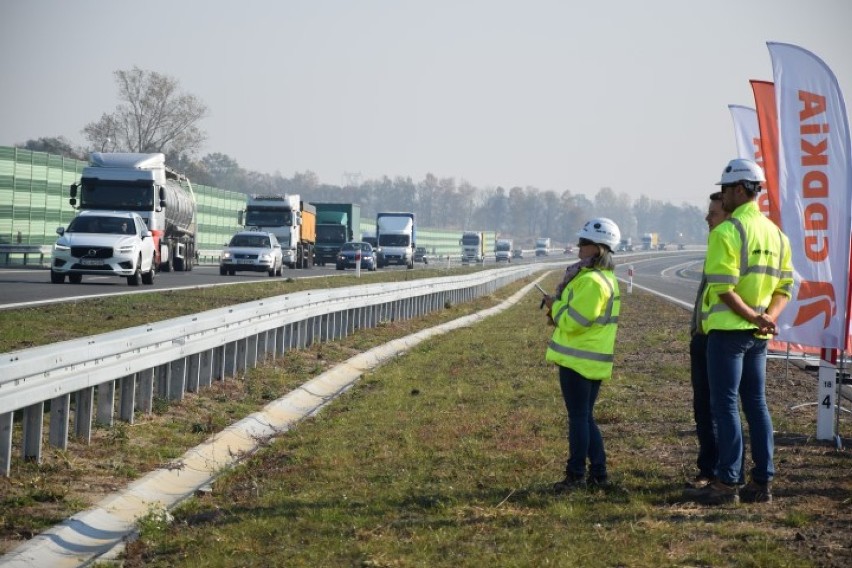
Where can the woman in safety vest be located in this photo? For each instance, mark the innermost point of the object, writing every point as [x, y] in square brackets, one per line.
[584, 311]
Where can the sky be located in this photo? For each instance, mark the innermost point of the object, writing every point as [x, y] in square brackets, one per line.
[553, 94]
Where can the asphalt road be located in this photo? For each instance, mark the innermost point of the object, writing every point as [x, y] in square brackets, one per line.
[675, 274]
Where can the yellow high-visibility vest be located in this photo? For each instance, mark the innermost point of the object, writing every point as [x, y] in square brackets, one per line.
[751, 256]
[586, 318]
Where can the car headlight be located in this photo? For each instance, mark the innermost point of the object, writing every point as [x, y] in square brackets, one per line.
[61, 248]
[265, 257]
[226, 256]
[125, 249]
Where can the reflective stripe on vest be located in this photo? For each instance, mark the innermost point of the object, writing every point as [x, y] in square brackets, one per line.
[604, 319]
[580, 354]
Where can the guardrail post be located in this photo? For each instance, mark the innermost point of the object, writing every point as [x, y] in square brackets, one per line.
[84, 402]
[205, 368]
[127, 397]
[242, 356]
[193, 370]
[146, 391]
[33, 425]
[106, 403]
[219, 356]
[6, 421]
[177, 379]
[252, 349]
[163, 378]
[230, 367]
[58, 433]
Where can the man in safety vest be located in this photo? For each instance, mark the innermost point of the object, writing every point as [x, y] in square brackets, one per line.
[749, 276]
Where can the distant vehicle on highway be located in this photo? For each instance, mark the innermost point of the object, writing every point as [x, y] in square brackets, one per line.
[257, 251]
[346, 258]
[420, 255]
[518, 253]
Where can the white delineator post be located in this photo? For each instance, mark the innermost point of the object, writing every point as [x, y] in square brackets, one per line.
[827, 394]
[358, 263]
[630, 279]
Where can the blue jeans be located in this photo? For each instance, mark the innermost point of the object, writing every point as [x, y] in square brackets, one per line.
[705, 427]
[584, 437]
[736, 367]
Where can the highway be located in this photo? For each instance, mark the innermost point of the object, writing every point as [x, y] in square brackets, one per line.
[674, 274]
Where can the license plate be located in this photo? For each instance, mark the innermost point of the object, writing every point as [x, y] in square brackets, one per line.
[245, 261]
[91, 262]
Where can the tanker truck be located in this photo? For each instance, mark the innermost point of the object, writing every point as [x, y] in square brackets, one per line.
[142, 184]
[291, 220]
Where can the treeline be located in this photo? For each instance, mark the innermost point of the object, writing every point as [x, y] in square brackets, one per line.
[522, 213]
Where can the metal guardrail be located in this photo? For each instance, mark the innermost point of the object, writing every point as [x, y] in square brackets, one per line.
[25, 252]
[125, 370]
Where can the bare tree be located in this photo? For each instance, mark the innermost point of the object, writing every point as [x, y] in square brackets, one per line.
[153, 116]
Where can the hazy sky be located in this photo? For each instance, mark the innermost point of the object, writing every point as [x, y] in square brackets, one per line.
[627, 94]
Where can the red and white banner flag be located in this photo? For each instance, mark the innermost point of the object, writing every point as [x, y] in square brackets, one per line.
[815, 188]
[767, 119]
[749, 146]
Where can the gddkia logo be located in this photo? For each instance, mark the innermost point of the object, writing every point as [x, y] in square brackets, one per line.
[815, 299]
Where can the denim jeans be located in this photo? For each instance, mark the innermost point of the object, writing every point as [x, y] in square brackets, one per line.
[736, 367]
[584, 437]
[705, 426]
[701, 411]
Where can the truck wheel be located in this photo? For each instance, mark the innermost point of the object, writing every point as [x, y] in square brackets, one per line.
[179, 264]
[271, 271]
[222, 271]
[75, 278]
[57, 278]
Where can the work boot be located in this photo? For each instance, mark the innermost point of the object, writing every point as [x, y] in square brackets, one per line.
[570, 483]
[756, 492]
[717, 493]
[597, 481]
[696, 484]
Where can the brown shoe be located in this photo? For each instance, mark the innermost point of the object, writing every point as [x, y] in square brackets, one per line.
[695, 485]
[756, 492]
[717, 493]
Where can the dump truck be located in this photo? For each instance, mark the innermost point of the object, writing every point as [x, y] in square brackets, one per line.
[650, 241]
[291, 220]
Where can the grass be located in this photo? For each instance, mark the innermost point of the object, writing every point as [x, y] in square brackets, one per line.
[446, 457]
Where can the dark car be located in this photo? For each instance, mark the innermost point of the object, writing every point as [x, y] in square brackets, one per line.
[347, 256]
[420, 255]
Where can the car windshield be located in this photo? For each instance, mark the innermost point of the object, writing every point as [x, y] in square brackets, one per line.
[355, 246]
[104, 225]
[256, 241]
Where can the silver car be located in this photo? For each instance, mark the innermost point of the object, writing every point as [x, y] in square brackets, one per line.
[255, 251]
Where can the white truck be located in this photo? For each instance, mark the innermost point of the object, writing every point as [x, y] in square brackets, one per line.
[503, 250]
[396, 236]
[542, 246]
[472, 247]
[142, 184]
[291, 220]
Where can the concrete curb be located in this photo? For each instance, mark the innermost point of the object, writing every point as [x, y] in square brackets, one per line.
[100, 533]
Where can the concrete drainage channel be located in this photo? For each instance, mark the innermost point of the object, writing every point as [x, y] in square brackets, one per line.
[99, 534]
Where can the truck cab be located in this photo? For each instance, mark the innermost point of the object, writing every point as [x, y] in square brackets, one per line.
[472, 247]
[396, 236]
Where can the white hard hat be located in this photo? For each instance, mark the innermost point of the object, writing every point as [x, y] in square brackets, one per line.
[602, 231]
[741, 170]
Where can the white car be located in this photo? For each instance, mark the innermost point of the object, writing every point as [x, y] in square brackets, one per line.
[109, 243]
[252, 250]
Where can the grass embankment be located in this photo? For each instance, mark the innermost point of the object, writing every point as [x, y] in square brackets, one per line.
[446, 457]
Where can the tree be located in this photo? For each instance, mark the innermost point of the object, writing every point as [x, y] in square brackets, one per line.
[58, 145]
[153, 116]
